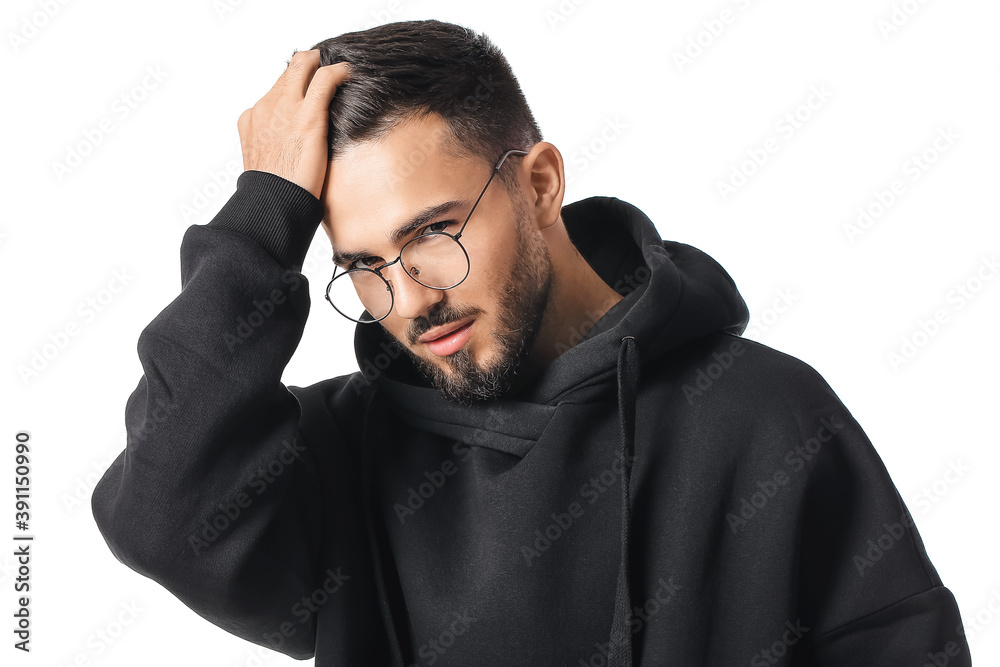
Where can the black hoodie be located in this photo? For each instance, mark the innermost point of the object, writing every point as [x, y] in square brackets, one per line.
[664, 492]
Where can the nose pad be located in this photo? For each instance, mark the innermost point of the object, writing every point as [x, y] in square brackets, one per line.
[410, 298]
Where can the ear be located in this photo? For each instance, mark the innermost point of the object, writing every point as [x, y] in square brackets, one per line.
[543, 180]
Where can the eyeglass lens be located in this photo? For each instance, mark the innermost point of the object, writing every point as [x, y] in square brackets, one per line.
[433, 260]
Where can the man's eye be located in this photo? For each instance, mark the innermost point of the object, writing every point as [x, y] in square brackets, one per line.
[433, 227]
[445, 224]
[364, 264]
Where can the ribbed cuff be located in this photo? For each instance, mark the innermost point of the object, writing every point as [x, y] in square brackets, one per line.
[280, 215]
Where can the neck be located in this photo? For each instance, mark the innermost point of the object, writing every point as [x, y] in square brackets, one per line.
[578, 299]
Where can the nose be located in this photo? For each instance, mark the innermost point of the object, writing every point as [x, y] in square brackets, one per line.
[410, 298]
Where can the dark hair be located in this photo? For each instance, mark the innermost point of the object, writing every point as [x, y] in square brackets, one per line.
[403, 70]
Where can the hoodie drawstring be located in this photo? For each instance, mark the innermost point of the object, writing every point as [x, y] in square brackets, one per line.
[620, 645]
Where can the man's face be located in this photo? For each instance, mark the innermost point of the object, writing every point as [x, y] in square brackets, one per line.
[375, 188]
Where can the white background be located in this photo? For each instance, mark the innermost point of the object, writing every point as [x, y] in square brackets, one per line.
[586, 69]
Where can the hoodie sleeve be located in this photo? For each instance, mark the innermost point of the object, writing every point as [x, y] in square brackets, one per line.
[867, 584]
[216, 495]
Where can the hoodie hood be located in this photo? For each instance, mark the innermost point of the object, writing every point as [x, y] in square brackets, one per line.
[674, 293]
[682, 294]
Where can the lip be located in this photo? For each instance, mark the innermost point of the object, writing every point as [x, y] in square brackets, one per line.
[444, 330]
[451, 343]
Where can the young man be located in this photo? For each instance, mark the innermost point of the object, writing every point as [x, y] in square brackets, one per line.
[558, 450]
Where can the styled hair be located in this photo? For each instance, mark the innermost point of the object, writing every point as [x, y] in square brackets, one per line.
[401, 71]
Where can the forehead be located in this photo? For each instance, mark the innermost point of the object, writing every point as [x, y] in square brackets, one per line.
[375, 187]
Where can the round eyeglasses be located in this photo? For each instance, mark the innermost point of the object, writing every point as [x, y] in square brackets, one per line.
[434, 259]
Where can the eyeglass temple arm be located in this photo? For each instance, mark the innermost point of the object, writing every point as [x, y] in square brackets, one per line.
[500, 163]
[496, 169]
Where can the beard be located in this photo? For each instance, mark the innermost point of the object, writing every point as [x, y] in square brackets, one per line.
[521, 301]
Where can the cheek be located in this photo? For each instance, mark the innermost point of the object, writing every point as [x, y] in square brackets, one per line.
[490, 269]
[491, 257]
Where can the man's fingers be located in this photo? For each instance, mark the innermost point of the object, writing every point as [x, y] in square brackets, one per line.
[299, 72]
[284, 133]
[323, 86]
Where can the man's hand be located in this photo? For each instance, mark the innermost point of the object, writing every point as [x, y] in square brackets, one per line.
[285, 133]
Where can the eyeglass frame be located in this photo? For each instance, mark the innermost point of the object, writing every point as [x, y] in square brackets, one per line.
[455, 237]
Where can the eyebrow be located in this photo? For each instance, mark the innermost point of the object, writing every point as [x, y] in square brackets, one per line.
[345, 257]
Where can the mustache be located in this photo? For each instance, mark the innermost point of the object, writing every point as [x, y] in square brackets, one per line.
[441, 317]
